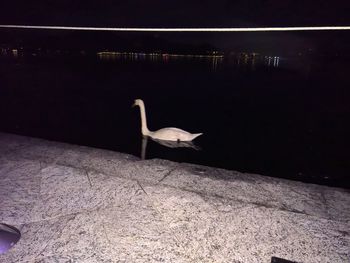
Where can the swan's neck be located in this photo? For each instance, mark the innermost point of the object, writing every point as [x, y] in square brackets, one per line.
[145, 131]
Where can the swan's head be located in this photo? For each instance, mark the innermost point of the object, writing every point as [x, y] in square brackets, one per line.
[137, 102]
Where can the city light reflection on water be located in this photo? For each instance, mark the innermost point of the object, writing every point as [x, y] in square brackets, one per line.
[247, 60]
[214, 59]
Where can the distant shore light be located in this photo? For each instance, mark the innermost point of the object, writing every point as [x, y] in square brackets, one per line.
[234, 29]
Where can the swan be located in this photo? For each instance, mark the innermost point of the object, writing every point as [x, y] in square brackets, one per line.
[165, 134]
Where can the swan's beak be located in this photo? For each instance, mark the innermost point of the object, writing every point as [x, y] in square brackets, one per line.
[133, 105]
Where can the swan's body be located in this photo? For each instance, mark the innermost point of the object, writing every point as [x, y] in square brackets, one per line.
[165, 134]
[173, 134]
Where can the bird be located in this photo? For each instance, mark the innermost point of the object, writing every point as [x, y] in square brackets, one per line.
[165, 134]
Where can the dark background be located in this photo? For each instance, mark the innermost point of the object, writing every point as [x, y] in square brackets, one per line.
[181, 13]
[111, 13]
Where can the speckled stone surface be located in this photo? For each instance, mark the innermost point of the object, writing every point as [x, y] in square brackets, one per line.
[80, 204]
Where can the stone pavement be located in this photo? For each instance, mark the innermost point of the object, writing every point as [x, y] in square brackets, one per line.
[80, 204]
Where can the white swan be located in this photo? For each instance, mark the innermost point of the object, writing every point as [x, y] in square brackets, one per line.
[166, 134]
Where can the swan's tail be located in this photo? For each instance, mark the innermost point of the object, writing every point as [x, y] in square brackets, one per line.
[195, 135]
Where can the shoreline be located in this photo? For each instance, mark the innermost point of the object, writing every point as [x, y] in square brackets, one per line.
[86, 204]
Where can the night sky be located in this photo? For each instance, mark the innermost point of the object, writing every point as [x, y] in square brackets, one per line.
[181, 13]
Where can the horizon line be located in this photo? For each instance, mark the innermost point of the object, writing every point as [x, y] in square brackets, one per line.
[140, 29]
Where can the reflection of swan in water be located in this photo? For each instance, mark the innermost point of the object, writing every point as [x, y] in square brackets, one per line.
[144, 147]
[170, 144]
[177, 144]
[165, 134]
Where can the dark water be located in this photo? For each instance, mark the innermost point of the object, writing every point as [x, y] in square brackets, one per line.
[288, 119]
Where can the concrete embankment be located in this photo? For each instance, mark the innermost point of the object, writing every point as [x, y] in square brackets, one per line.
[80, 204]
